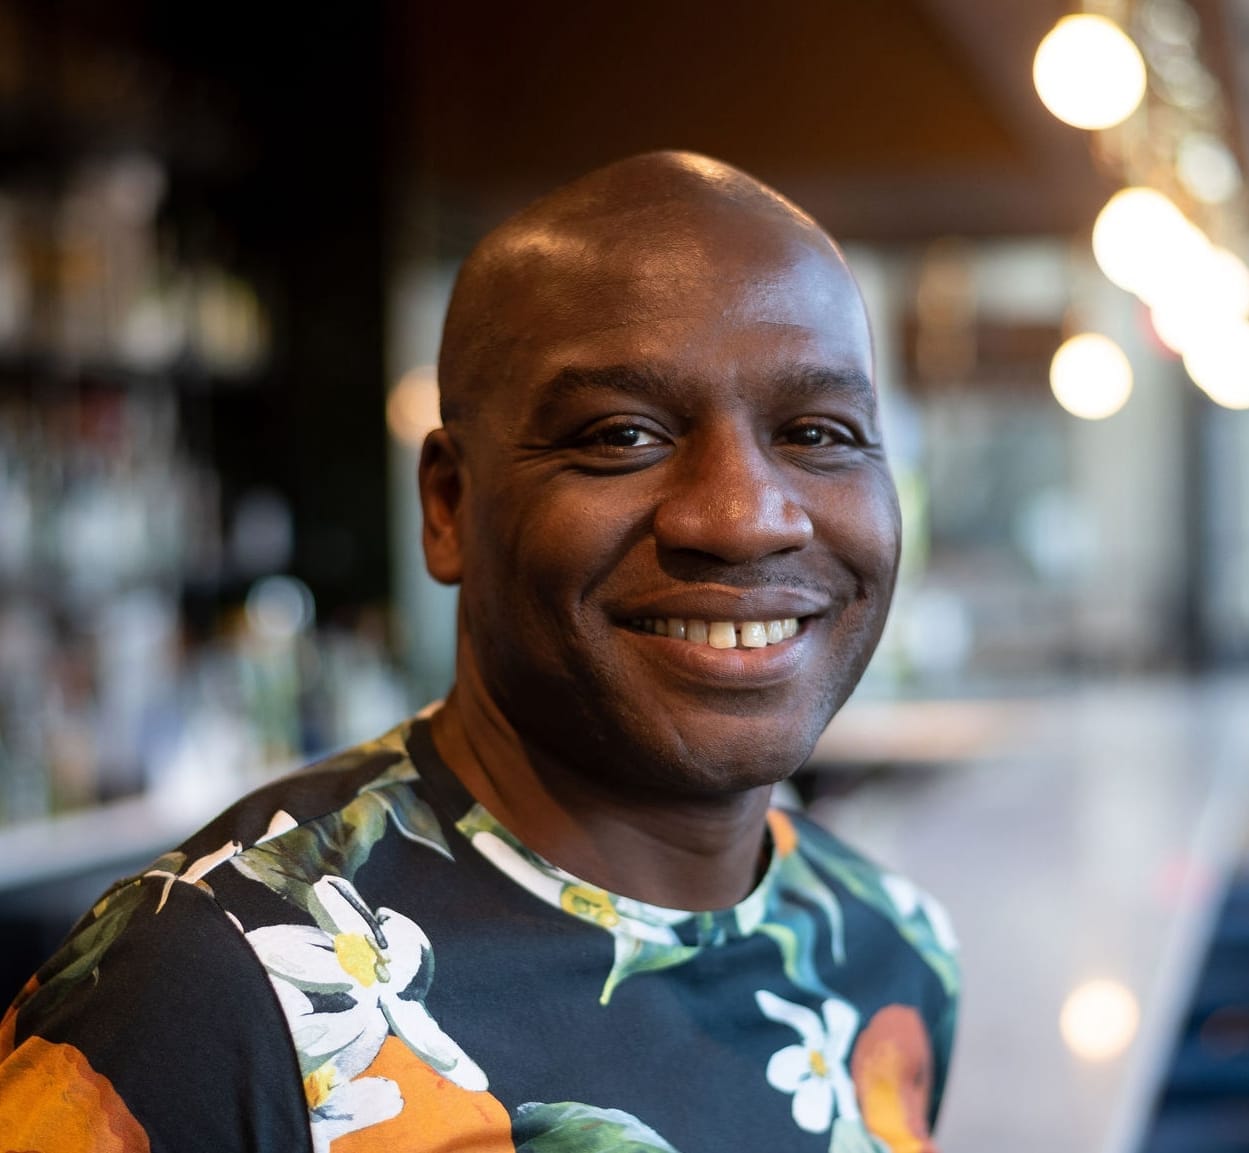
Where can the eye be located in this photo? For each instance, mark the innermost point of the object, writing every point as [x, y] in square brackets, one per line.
[623, 436]
[817, 434]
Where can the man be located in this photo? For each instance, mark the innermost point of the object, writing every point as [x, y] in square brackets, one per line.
[662, 491]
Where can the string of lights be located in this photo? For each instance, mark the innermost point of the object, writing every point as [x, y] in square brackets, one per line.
[1132, 74]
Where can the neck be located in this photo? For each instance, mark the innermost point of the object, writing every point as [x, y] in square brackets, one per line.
[678, 852]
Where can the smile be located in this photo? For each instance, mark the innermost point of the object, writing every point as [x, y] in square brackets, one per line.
[719, 634]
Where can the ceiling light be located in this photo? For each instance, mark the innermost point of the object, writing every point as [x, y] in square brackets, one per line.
[1090, 376]
[1219, 364]
[1144, 243]
[1216, 297]
[1088, 72]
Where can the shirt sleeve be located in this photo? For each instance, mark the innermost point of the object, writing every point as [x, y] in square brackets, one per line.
[153, 1027]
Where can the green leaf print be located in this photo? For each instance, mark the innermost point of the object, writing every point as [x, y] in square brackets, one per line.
[80, 956]
[570, 1127]
[800, 909]
[389, 752]
[339, 843]
[414, 819]
[914, 918]
[634, 955]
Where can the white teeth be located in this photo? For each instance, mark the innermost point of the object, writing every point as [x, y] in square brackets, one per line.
[754, 635]
[721, 634]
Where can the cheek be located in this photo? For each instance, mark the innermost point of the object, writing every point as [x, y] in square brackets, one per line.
[863, 523]
[538, 550]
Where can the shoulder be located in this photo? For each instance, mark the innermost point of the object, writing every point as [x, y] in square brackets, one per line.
[153, 1021]
[920, 919]
[163, 987]
[897, 931]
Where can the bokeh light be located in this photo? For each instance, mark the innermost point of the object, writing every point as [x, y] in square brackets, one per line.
[412, 406]
[1215, 298]
[1207, 169]
[1090, 376]
[1145, 244]
[1099, 1019]
[1219, 363]
[279, 608]
[1088, 72]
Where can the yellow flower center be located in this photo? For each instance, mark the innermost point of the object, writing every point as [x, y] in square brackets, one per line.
[592, 904]
[357, 956]
[318, 1083]
[818, 1065]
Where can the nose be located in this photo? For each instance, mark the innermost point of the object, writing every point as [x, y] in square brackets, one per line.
[730, 500]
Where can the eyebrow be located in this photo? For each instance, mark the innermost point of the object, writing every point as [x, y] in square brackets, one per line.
[810, 381]
[633, 380]
[799, 382]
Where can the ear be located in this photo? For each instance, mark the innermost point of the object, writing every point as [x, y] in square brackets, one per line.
[440, 475]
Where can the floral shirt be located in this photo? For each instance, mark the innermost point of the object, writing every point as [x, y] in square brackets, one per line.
[360, 958]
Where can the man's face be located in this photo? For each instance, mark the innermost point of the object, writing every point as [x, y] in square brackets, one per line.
[684, 430]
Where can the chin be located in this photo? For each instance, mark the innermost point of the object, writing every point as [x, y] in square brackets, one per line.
[740, 755]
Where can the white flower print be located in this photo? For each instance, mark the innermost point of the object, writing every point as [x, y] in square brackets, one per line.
[343, 989]
[814, 1070]
[196, 871]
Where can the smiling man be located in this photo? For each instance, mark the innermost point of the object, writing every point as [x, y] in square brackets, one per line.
[662, 491]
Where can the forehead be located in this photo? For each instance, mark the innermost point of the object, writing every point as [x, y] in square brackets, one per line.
[713, 302]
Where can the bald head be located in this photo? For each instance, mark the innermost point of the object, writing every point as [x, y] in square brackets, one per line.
[659, 205]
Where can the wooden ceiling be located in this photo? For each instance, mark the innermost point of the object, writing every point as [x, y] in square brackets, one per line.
[890, 120]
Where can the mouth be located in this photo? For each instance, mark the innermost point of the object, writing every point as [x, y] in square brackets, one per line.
[719, 634]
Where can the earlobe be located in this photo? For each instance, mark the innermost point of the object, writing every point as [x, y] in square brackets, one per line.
[442, 490]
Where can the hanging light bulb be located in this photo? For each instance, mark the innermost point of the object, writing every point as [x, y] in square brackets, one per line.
[1215, 298]
[1219, 364]
[1090, 376]
[1144, 243]
[1088, 72]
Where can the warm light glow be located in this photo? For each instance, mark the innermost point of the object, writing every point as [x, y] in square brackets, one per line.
[1144, 243]
[1088, 72]
[1219, 364]
[412, 406]
[1179, 322]
[1090, 376]
[1217, 297]
[1099, 1019]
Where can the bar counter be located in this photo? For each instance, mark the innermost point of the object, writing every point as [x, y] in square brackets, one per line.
[1085, 835]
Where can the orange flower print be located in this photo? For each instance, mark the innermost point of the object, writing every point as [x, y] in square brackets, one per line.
[436, 1114]
[891, 1067]
[52, 1101]
[784, 835]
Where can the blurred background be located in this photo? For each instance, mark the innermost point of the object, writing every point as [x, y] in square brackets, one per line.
[227, 236]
